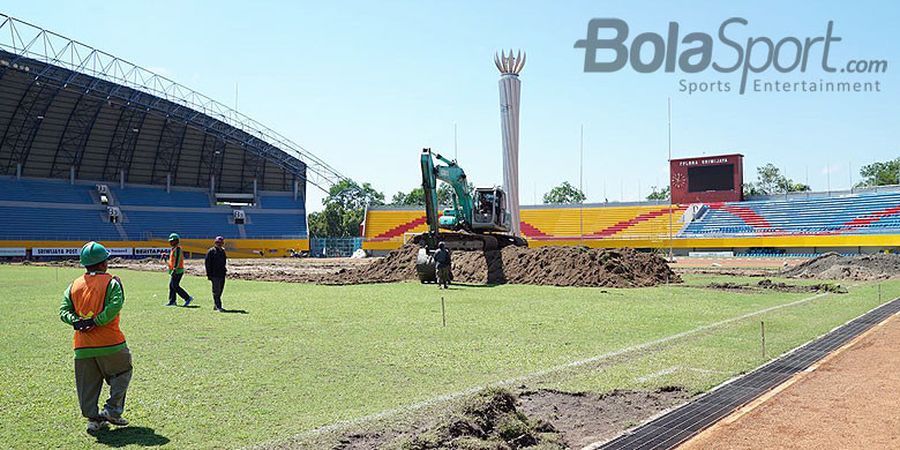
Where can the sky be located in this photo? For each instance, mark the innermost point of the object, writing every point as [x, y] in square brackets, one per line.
[366, 85]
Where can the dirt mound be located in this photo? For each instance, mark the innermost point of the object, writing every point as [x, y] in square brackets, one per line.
[832, 266]
[552, 266]
[490, 420]
[498, 419]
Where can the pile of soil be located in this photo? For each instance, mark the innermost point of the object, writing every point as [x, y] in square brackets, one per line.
[832, 266]
[551, 266]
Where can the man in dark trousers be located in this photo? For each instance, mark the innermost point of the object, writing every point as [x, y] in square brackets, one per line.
[176, 271]
[216, 260]
[442, 265]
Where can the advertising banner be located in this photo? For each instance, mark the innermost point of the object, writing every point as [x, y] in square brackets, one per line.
[12, 252]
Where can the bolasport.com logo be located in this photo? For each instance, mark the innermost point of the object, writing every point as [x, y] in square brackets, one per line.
[760, 64]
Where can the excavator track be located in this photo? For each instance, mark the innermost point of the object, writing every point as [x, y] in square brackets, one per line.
[425, 268]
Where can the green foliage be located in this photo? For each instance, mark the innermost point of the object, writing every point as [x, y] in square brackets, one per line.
[659, 194]
[322, 354]
[880, 173]
[771, 181]
[416, 197]
[344, 209]
[565, 193]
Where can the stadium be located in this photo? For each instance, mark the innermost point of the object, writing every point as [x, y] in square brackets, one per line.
[96, 146]
[708, 319]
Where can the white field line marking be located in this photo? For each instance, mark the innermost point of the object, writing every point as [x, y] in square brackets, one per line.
[538, 374]
[657, 374]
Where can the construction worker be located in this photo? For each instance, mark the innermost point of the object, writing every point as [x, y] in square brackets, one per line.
[91, 305]
[176, 272]
[216, 261]
[442, 265]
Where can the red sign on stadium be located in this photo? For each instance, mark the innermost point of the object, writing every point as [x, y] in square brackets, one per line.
[707, 179]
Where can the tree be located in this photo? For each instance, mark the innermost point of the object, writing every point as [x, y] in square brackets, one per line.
[770, 181]
[416, 197]
[659, 194]
[880, 173]
[564, 193]
[344, 209]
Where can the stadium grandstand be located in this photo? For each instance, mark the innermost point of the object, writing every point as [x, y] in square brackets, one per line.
[95, 147]
[861, 221]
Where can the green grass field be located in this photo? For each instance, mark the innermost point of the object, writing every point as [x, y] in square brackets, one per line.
[306, 356]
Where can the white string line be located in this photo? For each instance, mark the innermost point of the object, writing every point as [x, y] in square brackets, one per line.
[538, 374]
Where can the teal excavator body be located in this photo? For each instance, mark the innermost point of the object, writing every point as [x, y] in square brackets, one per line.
[477, 220]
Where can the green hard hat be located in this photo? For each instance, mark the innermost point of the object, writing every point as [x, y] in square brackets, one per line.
[174, 237]
[93, 253]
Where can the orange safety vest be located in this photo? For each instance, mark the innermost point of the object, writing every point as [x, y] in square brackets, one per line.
[173, 263]
[88, 296]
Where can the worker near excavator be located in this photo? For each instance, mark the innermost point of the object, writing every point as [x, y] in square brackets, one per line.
[176, 271]
[442, 264]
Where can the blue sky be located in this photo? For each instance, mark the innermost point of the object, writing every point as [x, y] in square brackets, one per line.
[366, 85]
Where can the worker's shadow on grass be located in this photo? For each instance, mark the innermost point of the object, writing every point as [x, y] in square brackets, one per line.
[121, 437]
[191, 306]
[234, 311]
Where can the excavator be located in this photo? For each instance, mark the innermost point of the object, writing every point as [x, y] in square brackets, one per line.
[478, 219]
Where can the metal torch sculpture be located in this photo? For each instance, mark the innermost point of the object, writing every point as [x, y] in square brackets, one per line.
[510, 66]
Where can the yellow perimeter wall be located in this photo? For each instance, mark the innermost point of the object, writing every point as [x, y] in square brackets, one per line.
[644, 226]
[237, 248]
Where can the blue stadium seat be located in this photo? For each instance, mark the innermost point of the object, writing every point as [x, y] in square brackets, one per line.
[281, 202]
[152, 196]
[29, 223]
[56, 211]
[276, 225]
[188, 224]
[51, 191]
[877, 213]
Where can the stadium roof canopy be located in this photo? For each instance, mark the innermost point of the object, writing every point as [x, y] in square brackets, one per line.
[68, 108]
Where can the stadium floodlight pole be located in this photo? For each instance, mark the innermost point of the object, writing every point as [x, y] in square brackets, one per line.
[581, 186]
[671, 243]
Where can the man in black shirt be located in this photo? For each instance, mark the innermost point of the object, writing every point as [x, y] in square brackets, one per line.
[442, 264]
[215, 270]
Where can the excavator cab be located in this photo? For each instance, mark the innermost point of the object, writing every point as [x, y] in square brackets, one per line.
[490, 210]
